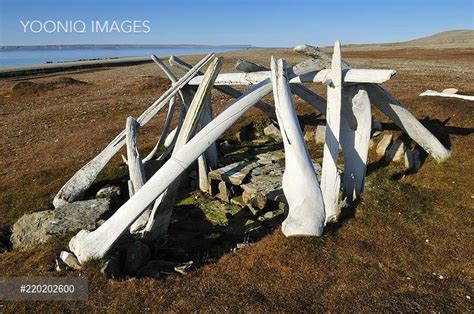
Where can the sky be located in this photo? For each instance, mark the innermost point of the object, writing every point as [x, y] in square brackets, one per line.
[263, 23]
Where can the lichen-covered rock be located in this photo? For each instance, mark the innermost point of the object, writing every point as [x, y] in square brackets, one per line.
[39, 227]
[108, 191]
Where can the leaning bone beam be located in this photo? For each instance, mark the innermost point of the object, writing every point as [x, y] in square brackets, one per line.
[392, 108]
[164, 132]
[349, 76]
[405, 120]
[306, 215]
[160, 218]
[266, 108]
[75, 187]
[355, 141]
[187, 95]
[90, 245]
[445, 94]
[330, 180]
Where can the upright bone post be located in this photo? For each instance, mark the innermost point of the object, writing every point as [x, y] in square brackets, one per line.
[330, 179]
[306, 215]
[355, 139]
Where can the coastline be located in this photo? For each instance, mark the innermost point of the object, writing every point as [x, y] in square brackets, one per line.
[47, 68]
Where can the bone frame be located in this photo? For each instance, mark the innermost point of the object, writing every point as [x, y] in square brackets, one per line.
[306, 216]
[354, 136]
[76, 186]
[88, 245]
[391, 107]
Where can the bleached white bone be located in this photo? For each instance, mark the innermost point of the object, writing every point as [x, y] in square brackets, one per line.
[160, 216]
[330, 179]
[135, 165]
[391, 107]
[206, 116]
[448, 93]
[306, 215]
[355, 140]
[88, 245]
[349, 76]
[316, 101]
[75, 187]
[264, 107]
[135, 169]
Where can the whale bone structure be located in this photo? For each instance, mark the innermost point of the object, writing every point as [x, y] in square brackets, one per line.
[311, 204]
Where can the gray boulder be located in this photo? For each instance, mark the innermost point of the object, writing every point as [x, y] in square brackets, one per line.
[34, 229]
[108, 191]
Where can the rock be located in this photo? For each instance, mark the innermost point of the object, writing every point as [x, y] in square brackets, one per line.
[224, 192]
[271, 157]
[108, 191]
[256, 202]
[70, 260]
[395, 152]
[412, 159]
[237, 200]
[274, 132]
[150, 270]
[449, 91]
[138, 255]
[183, 269]
[309, 135]
[383, 144]
[111, 268]
[234, 173]
[320, 136]
[39, 227]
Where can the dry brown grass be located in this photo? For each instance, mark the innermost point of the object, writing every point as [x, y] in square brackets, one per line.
[381, 258]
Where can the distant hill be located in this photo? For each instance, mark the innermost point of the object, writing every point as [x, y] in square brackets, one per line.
[463, 38]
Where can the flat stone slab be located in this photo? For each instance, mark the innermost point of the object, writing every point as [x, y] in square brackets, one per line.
[234, 173]
[36, 228]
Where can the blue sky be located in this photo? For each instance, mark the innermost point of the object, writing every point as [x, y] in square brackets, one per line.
[270, 23]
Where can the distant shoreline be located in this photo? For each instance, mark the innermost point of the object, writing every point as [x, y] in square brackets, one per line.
[122, 46]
